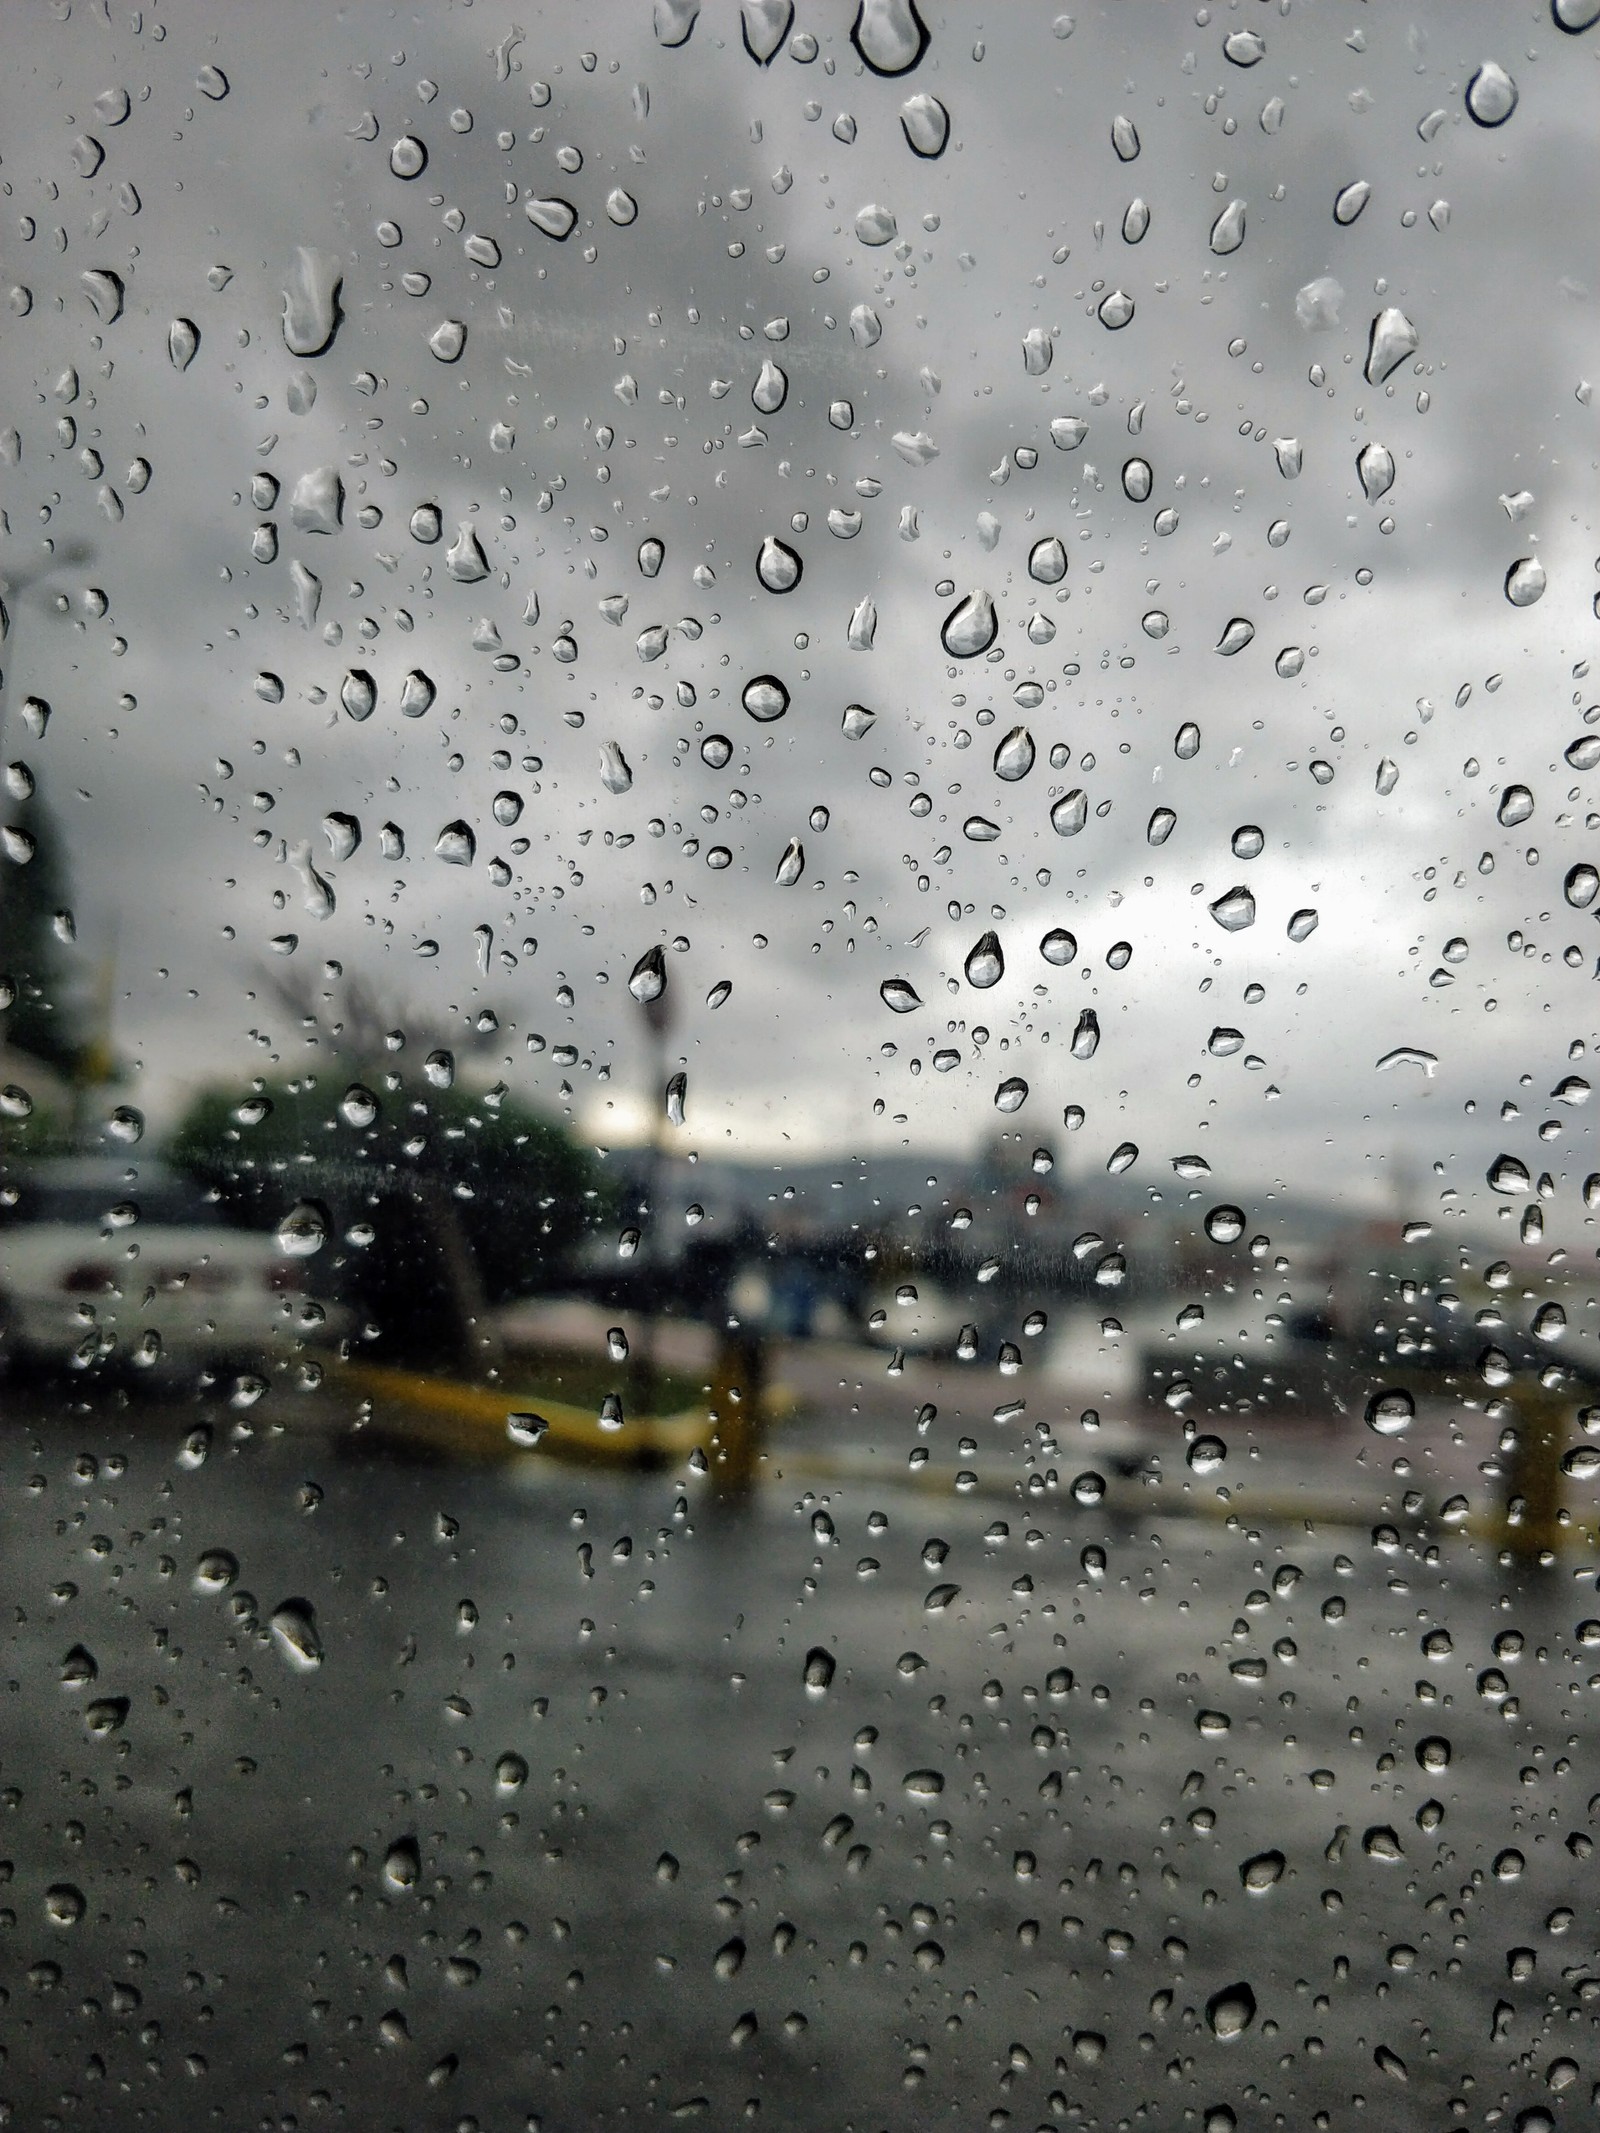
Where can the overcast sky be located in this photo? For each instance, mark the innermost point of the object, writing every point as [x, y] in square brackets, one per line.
[603, 397]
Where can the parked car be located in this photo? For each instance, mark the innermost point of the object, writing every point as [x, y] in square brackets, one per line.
[107, 1267]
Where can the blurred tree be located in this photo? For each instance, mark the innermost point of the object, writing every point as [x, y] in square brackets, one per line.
[441, 1201]
[41, 1016]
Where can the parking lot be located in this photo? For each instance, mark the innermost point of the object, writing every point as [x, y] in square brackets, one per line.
[434, 1796]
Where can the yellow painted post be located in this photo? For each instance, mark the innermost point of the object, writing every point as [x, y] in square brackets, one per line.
[1533, 1474]
[738, 1387]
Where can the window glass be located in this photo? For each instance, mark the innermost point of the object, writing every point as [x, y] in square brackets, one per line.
[797, 1217]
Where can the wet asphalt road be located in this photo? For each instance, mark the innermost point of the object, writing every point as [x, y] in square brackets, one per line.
[327, 1894]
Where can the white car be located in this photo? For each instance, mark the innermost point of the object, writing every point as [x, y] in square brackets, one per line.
[103, 1265]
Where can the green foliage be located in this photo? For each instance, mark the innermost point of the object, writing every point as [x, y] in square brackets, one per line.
[521, 1189]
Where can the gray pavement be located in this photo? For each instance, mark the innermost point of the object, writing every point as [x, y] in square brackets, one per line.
[990, 1875]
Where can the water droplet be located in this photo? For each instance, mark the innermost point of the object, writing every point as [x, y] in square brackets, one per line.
[402, 1865]
[1115, 310]
[1302, 924]
[1186, 742]
[125, 1125]
[875, 225]
[674, 20]
[1058, 947]
[1392, 339]
[926, 125]
[1549, 1322]
[1375, 465]
[1067, 432]
[677, 1095]
[621, 207]
[1262, 1872]
[294, 1633]
[792, 865]
[1575, 16]
[557, 218]
[1350, 200]
[970, 627]
[1491, 95]
[417, 693]
[64, 1904]
[426, 524]
[455, 844]
[1206, 1454]
[1227, 232]
[819, 1669]
[358, 692]
[215, 1571]
[358, 1106]
[1516, 805]
[1047, 561]
[1231, 2011]
[1070, 812]
[615, 775]
[1509, 1174]
[1235, 910]
[1012, 1094]
[464, 558]
[408, 158]
[889, 35]
[1525, 581]
[105, 293]
[649, 977]
[1086, 1036]
[1248, 841]
[448, 339]
[771, 388]
[1124, 138]
[917, 449]
[1038, 351]
[897, 994]
[316, 504]
[857, 721]
[1014, 756]
[778, 566]
[1235, 637]
[1135, 221]
[985, 965]
[1160, 826]
[1137, 480]
[1581, 886]
[1244, 48]
[1391, 1413]
[765, 698]
[303, 1230]
[978, 829]
[183, 342]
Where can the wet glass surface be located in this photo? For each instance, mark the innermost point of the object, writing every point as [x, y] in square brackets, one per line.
[796, 1210]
